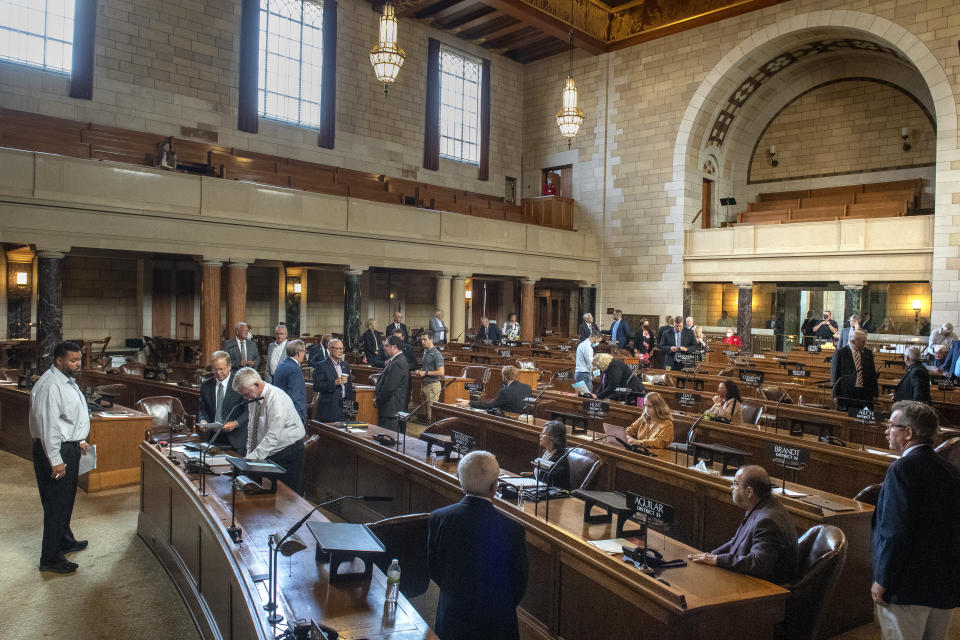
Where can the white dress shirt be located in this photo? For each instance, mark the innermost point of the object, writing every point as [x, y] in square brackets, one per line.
[279, 424]
[279, 352]
[58, 413]
[584, 357]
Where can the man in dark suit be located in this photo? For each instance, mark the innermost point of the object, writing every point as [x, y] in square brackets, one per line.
[488, 331]
[332, 382]
[318, 352]
[587, 327]
[372, 343]
[242, 350]
[478, 558]
[219, 402]
[853, 376]
[765, 544]
[665, 329]
[620, 330]
[916, 526]
[510, 397]
[397, 325]
[289, 376]
[407, 350]
[915, 382]
[678, 340]
[390, 392]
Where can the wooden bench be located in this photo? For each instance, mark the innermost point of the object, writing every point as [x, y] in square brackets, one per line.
[783, 195]
[453, 206]
[826, 201]
[812, 214]
[773, 205]
[764, 217]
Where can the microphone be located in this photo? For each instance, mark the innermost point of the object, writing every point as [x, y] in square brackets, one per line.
[636, 448]
[302, 520]
[541, 392]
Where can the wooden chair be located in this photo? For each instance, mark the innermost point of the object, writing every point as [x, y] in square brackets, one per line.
[823, 551]
[405, 538]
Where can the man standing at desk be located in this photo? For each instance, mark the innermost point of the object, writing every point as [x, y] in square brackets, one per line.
[438, 328]
[390, 392]
[478, 558]
[583, 370]
[916, 526]
[219, 402]
[431, 372]
[488, 332]
[853, 376]
[331, 381]
[289, 376]
[676, 341]
[765, 544]
[587, 327]
[59, 424]
[619, 330]
[397, 325]
[276, 351]
[275, 431]
[243, 351]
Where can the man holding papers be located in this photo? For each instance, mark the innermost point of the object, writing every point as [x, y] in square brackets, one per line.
[218, 403]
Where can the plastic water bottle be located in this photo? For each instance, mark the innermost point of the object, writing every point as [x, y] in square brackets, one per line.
[393, 581]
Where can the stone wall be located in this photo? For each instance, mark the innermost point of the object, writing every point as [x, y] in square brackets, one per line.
[100, 299]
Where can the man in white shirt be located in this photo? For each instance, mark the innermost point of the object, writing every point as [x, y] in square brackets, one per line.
[439, 329]
[584, 368]
[274, 431]
[276, 351]
[59, 424]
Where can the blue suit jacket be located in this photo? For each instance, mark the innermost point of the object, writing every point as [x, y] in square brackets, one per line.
[623, 333]
[289, 377]
[329, 397]
[478, 558]
[953, 356]
[916, 526]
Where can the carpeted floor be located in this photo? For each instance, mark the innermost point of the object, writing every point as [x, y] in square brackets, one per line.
[120, 590]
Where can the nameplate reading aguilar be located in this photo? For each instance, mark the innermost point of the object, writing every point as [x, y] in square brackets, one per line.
[788, 456]
[650, 508]
[687, 399]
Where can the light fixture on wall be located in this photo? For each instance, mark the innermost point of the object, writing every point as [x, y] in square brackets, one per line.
[386, 56]
[905, 136]
[297, 287]
[570, 116]
[772, 156]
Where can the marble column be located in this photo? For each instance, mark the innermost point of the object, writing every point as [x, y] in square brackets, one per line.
[587, 302]
[443, 300]
[458, 306]
[352, 324]
[4, 321]
[210, 330]
[816, 302]
[781, 317]
[745, 314]
[49, 305]
[506, 301]
[527, 309]
[793, 317]
[852, 299]
[688, 304]
[237, 297]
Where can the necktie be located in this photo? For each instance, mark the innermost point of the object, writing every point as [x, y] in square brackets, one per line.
[243, 351]
[856, 363]
[254, 427]
[219, 417]
[678, 338]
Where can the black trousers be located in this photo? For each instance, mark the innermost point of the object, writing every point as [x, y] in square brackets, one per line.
[57, 498]
[291, 459]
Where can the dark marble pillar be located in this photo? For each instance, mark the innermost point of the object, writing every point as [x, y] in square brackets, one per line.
[852, 299]
[816, 302]
[781, 317]
[49, 305]
[351, 309]
[792, 317]
[588, 300]
[745, 314]
[688, 304]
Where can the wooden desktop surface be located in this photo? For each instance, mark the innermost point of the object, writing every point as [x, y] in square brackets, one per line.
[574, 589]
[187, 532]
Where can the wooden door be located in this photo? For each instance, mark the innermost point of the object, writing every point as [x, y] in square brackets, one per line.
[706, 202]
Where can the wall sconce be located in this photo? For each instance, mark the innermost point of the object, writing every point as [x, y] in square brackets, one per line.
[772, 156]
[297, 287]
[917, 305]
[468, 294]
[23, 279]
[905, 135]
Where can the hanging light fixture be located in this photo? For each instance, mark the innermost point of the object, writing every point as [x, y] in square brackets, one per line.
[570, 117]
[386, 56]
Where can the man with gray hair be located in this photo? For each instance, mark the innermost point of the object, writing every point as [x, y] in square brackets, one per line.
[242, 350]
[276, 351]
[853, 376]
[915, 382]
[942, 336]
[289, 376]
[916, 526]
[478, 558]
[587, 326]
[275, 431]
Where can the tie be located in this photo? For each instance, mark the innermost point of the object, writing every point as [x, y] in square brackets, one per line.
[678, 339]
[219, 417]
[856, 363]
[243, 351]
[254, 427]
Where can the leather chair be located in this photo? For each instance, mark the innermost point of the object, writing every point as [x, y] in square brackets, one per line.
[752, 413]
[310, 464]
[476, 373]
[950, 449]
[823, 551]
[373, 378]
[774, 393]
[583, 468]
[134, 369]
[405, 538]
[869, 494]
[160, 407]
[655, 379]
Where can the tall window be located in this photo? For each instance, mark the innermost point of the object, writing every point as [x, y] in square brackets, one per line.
[38, 33]
[291, 60]
[459, 107]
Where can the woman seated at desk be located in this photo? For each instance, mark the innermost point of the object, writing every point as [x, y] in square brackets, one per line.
[727, 404]
[654, 428]
[616, 374]
[553, 440]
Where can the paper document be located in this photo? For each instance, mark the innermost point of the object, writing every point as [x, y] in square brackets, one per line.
[789, 493]
[580, 387]
[88, 461]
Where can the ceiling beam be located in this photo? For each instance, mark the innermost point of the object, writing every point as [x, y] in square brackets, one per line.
[446, 12]
[479, 21]
[548, 24]
[403, 8]
[514, 47]
[499, 33]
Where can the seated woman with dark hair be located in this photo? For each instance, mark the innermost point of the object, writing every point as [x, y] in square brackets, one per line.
[553, 439]
[616, 374]
[727, 404]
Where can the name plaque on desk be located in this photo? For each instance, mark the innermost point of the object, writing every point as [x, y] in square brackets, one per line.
[564, 374]
[538, 339]
[650, 508]
[814, 348]
[687, 399]
[731, 354]
[751, 376]
[799, 373]
[596, 407]
[789, 456]
[686, 358]
[465, 348]
[636, 368]
[504, 353]
[564, 347]
[473, 387]
[866, 415]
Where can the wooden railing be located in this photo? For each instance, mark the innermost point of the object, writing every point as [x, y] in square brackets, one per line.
[549, 211]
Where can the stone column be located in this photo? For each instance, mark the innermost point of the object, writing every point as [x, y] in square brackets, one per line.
[352, 325]
[816, 302]
[528, 314]
[4, 320]
[688, 304]
[49, 305]
[237, 296]
[443, 300]
[506, 301]
[210, 330]
[781, 316]
[745, 314]
[852, 299]
[458, 305]
[587, 302]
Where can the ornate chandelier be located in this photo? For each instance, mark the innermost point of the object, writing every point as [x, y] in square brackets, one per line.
[386, 56]
[570, 117]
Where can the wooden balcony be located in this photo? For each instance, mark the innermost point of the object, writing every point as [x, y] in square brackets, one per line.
[549, 211]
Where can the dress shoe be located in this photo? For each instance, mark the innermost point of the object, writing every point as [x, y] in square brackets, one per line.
[78, 545]
[62, 566]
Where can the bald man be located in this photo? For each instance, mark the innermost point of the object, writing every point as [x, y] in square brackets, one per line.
[765, 545]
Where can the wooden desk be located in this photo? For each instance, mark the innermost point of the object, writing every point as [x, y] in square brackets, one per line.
[187, 533]
[367, 412]
[117, 440]
[574, 590]
[707, 516]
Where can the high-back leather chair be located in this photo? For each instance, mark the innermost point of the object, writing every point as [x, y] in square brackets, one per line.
[583, 467]
[950, 449]
[752, 413]
[476, 373]
[373, 378]
[134, 369]
[405, 538]
[823, 550]
[869, 494]
[160, 407]
[656, 379]
[774, 394]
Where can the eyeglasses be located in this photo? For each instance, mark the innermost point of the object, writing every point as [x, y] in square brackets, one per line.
[334, 348]
[890, 425]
